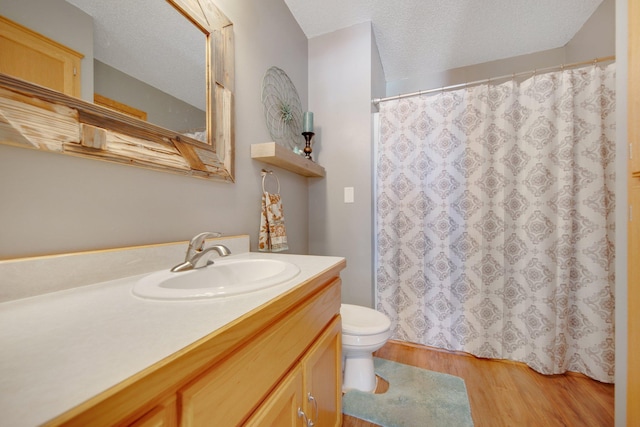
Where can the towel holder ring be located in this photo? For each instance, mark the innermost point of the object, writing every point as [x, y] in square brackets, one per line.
[264, 174]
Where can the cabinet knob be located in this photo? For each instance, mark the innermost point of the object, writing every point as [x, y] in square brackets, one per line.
[302, 415]
[313, 400]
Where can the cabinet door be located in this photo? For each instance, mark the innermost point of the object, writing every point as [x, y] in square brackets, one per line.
[633, 283]
[633, 88]
[323, 378]
[32, 57]
[633, 231]
[282, 407]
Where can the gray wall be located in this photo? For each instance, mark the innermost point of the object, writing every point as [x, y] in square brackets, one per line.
[52, 203]
[341, 85]
[597, 37]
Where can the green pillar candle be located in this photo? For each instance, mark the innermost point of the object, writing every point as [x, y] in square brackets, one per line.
[307, 122]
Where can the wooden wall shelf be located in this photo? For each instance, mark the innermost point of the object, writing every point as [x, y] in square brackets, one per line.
[274, 154]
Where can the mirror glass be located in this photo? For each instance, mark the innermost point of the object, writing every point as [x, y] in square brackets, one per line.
[151, 58]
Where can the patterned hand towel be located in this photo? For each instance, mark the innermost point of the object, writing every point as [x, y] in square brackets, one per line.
[273, 236]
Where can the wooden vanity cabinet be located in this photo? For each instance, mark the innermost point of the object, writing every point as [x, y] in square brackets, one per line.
[258, 370]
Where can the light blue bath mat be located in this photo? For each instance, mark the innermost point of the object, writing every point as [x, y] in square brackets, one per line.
[416, 397]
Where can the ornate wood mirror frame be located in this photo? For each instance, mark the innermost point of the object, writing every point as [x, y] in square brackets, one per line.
[32, 116]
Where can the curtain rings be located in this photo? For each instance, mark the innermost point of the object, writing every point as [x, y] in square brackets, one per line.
[266, 173]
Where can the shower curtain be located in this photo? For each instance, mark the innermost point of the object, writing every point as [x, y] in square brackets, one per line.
[495, 220]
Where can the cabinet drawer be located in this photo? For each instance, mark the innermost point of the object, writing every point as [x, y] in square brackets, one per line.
[227, 393]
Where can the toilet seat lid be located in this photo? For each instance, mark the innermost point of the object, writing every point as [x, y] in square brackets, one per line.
[358, 320]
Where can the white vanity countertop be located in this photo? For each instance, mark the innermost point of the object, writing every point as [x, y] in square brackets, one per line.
[57, 350]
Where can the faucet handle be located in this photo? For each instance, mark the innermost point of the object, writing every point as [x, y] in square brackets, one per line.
[198, 241]
[196, 244]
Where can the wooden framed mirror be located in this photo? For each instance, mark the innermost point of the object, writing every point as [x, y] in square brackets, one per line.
[36, 117]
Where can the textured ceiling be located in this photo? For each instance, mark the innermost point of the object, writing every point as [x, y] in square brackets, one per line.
[424, 36]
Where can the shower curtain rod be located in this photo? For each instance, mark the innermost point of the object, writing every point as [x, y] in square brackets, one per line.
[477, 82]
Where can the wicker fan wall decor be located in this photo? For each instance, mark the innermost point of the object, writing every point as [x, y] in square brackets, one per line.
[282, 108]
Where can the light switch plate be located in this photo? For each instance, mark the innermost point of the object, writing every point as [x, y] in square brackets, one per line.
[348, 194]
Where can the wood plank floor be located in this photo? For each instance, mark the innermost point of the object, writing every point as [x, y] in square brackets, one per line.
[503, 393]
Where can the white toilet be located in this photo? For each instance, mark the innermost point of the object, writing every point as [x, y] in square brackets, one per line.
[364, 331]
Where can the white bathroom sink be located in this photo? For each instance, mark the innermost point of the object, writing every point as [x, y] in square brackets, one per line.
[221, 279]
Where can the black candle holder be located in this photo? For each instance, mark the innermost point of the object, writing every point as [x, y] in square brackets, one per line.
[307, 147]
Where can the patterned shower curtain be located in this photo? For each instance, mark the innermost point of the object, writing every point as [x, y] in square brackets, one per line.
[495, 220]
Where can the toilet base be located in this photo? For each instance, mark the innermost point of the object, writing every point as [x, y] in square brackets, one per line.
[364, 331]
[359, 373]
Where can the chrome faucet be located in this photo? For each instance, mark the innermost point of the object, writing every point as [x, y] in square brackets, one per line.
[196, 251]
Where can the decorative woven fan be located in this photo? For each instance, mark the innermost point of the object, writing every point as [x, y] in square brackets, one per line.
[282, 108]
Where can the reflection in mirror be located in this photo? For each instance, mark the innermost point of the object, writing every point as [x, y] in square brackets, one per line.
[156, 66]
[182, 61]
